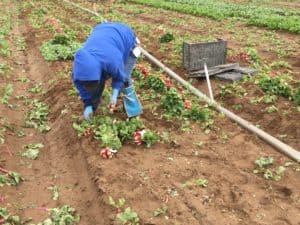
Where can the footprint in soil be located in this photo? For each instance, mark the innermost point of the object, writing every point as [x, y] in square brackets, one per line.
[285, 191]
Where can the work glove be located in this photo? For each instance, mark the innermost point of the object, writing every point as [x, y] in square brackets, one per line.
[113, 100]
[88, 113]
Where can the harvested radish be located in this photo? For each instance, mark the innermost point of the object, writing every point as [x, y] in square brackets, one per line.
[167, 82]
[138, 136]
[107, 153]
[3, 170]
[88, 132]
[187, 104]
[143, 69]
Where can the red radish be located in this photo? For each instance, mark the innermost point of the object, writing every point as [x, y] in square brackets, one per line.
[138, 136]
[44, 209]
[2, 221]
[167, 82]
[242, 56]
[112, 107]
[143, 69]
[273, 75]
[3, 170]
[88, 132]
[9, 152]
[107, 153]
[187, 104]
[119, 211]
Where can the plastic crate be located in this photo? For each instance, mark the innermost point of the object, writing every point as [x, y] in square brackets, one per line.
[214, 54]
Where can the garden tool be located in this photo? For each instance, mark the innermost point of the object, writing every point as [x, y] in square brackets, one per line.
[207, 79]
[131, 102]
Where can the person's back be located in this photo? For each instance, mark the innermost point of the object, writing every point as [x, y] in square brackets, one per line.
[110, 38]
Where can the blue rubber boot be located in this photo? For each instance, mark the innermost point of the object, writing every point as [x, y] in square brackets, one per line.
[131, 102]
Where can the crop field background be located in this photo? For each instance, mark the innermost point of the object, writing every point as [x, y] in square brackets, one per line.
[193, 165]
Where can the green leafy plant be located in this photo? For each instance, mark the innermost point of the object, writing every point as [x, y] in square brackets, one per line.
[65, 215]
[109, 138]
[172, 103]
[281, 64]
[155, 83]
[296, 97]
[4, 48]
[263, 162]
[82, 127]
[269, 98]
[201, 183]
[59, 216]
[127, 128]
[10, 178]
[38, 116]
[21, 44]
[8, 219]
[32, 150]
[200, 114]
[61, 47]
[55, 192]
[3, 68]
[234, 89]
[263, 166]
[168, 37]
[119, 204]
[254, 57]
[36, 89]
[137, 74]
[150, 138]
[274, 85]
[160, 211]
[271, 109]
[8, 91]
[2, 135]
[126, 216]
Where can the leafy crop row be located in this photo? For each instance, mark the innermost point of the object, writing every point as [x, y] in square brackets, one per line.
[5, 29]
[38, 116]
[112, 133]
[65, 215]
[174, 103]
[277, 19]
[278, 85]
[60, 47]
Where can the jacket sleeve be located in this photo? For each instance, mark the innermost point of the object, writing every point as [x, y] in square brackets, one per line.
[85, 96]
[118, 75]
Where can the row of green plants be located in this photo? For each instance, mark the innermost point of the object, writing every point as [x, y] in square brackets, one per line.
[5, 29]
[273, 84]
[265, 165]
[277, 19]
[10, 178]
[36, 117]
[65, 215]
[7, 177]
[63, 45]
[113, 133]
[174, 102]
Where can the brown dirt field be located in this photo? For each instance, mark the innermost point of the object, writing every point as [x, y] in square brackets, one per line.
[146, 178]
